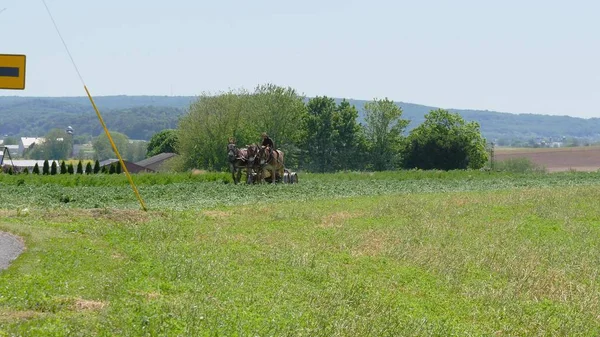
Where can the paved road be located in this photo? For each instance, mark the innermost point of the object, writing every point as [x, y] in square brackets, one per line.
[10, 248]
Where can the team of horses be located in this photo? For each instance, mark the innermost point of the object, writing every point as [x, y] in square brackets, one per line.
[262, 164]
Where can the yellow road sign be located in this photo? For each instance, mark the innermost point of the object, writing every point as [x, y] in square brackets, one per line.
[12, 71]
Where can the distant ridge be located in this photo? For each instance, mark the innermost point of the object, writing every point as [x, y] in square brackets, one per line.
[36, 115]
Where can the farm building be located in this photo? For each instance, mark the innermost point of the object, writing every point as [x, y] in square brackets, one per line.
[131, 167]
[13, 150]
[158, 163]
[26, 143]
[21, 164]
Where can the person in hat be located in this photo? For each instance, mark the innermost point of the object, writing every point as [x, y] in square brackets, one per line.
[267, 142]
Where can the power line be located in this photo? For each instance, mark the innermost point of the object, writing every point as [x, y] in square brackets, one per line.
[63, 42]
[112, 143]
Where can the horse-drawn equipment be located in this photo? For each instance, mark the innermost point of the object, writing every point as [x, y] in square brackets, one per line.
[262, 164]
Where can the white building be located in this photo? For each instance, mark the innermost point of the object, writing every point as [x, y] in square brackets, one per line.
[25, 143]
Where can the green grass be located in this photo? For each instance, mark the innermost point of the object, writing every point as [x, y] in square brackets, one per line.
[391, 254]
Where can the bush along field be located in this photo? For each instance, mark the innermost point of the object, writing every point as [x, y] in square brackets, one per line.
[409, 253]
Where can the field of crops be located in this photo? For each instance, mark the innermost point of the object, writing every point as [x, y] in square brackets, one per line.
[356, 254]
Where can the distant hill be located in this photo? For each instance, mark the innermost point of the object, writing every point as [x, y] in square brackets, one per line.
[139, 117]
[499, 125]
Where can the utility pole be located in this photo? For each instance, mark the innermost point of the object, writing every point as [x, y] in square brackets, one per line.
[492, 156]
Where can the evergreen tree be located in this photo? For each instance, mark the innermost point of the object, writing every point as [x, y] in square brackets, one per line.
[53, 168]
[63, 167]
[70, 168]
[46, 168]
[96, 167]
[88, 168]
[112, 169]
[118, 168]
[26, 171]
[79, 168]
[36, 169]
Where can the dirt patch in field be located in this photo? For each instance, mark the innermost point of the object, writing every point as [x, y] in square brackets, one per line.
[373, 243]
[216, 214]
[336, 220]
[113, 215]
[585, 159]
[11, 316]
[123, 215]
[87, 305]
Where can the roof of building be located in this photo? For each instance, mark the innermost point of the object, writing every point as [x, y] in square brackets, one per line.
[29, 163]
[28, 141]
[156, 159]
[132, 167]
[108, 162]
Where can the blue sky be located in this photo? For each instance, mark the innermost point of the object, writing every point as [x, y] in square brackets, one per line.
[515, 56]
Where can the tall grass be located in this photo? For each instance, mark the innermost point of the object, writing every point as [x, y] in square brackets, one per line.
[514, 262]
[518, 165]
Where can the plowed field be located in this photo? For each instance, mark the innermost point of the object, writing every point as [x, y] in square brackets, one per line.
[556, 159]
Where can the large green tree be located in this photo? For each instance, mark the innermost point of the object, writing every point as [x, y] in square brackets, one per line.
[104, 149]
[162, 142]
[204, 131]
[57, 145]
[349, 140]
[212, 119]
[279, 112]
[383, 130]
[319, 147]
[445, 142]
[136, 150]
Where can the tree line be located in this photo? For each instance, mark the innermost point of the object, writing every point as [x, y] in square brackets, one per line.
[320, 135]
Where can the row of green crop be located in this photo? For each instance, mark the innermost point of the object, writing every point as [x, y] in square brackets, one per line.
[180, 191]
[224, 177]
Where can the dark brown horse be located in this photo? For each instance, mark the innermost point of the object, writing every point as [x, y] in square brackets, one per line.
[271, 164]
[253, 164]
[238, 160]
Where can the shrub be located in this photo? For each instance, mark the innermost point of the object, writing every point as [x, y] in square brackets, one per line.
[70, 168]
[46, 168]
[112, 169]
[36, 169]
[79, 168]
[88, 168]
[63, 167]
[518, 165]
[53, 168]
[96, 167]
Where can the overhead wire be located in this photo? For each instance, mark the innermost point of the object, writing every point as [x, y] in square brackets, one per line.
[63, 42]
[112, 143]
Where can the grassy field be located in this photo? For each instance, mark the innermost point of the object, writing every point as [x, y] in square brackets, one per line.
[389, 254]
